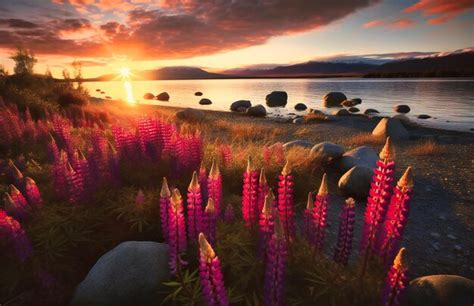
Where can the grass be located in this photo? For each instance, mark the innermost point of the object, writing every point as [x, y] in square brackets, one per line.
[426, 148]
[363, 139]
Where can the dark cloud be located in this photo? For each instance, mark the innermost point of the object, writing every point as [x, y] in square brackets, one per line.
[17, 23]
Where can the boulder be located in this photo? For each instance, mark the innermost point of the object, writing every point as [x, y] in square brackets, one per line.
[148, 96]
[351, 102]
[257, 111]
[299, 120]
[198, 93]
[371, 111]
[205, 101]
[403, 118]
[423, 116]
[240, 103]
[341, 112]
[277, 99]
[354, 109]
[242, 109]
[108, 97]
[300, 107]
[360, 156]
[191, 114]
[326, 151]
[315, 111]
[129, 274]
[391, 127]
[298, 143]
[334, 99]
[164, 96]
[356, 182]
[440, 290]
[401, 108]
[98, 90]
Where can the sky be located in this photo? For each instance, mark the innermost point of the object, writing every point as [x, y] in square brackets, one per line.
[105, 35]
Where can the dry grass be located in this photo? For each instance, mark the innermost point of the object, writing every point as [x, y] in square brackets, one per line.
[315, 117]
[426, 148]
[245, 131]
[362, 139]
[305, 131]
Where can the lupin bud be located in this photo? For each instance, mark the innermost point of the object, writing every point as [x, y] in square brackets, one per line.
[285, 202]
[194, 208]
[214, 186]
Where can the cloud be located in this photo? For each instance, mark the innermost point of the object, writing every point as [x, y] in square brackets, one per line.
[445, 9]
[373, 23]
[17, 23]
[402, 23]
[89, 63]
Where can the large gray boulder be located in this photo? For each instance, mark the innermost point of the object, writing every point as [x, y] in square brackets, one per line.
[361, 156]
[371, 111]
[334, 99]
[191, 114]
[301, 107]
[403, 119]
[129, 274]
[164, 96]
[235, 106]
[356, 182]
[277, 99]
[257, 111]
[298, 143]
[341, 112]
[326, 151]
[440, 290]
[391, 127]
[351, 102]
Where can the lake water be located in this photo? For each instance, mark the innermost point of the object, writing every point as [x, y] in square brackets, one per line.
[449, 101]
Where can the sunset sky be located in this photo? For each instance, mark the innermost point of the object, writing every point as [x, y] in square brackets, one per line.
[144, 34]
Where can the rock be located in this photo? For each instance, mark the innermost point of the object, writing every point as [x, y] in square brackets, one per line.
[164, 96]
[300, 107]
[435, 235]
[277, 99]
[108, 97]
[440, 290]
[391, 127]
[191, 114]
[401, 108]
[98, 90]
[423, 116]
[403, 118]
[452, 237]
[371, 111]
[326, 151]
[361, 156]
[242, 109]
[298, 143]
[240, 104]
[257, 111]
[205, 101]
[341, 112]
[334, 99]
[356, 182]
[351, 102]
[315, 111]
[129, 274]
[198, 93]
[148, 96]
[354, 109]
[458, 247]
[299, 120]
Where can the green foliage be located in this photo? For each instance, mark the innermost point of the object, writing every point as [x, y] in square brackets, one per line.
[73, 98]
[24, 61]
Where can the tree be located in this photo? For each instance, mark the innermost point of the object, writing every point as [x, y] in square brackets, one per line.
[24, 61]
[3, 71]
[77, 66]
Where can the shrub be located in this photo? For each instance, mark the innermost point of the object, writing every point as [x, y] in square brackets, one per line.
[72, 98]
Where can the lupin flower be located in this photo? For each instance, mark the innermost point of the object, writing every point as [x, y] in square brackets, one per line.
[16, 175]
[308, 228]
[16, 203]
[177, 231]
[194, 208]
[275, 267]
[209, 221]
[249, 195]
[53, 150]
[12, 231]
[396, 281]
[285, 202]
[165, 202]
[229, 213]
[214, 186]
[377, 203]
[75, 184]
[140, 199]
[59, 175]
[262, 190]
[320, 214]
[226, 154]
[212, 280]
[32, 192]
[266, 223]
[346, 232]
[397, 216]
[203, 181]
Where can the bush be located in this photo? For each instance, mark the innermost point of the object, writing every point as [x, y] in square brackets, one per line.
[72, 98]
[26, 98]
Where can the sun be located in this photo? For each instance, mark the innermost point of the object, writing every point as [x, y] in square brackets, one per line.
[124, 72]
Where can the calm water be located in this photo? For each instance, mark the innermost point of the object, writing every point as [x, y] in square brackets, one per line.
[449, 101]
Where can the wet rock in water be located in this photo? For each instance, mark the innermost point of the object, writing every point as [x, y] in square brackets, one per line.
[351, 102]
[391, 127]
[354, 109]
[298, 143]
[98, 90]
[102, 92]
[235, 106]
[361, 156]
[341, 112]
[401, 108]
[356, 182]
[148, 96]
[191, 114]
[205, 101]
[334, 99]
[300, 107]
[371, 111]
[130, 274]
[299, 120]
[440, 290]
[257, 111]
[198, 93]
[108, 97]
[164, 96]
[277, 99]
[423, 116]
[327, 151]
[315, 111]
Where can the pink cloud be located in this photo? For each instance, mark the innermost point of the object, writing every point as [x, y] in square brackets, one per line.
[447, 9]
[402, 23]
[373, 23]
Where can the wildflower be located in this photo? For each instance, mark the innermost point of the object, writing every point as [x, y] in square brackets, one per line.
[194, 208]
[16, 203]
[308, 228]
[203, 181]
[177, 231]
[12, 231]
[212, 280]
[262, 190]
[266, 223]
[140, 199]
[285, 202]
[16, 175]
[249, 195]
[209, 221]
[214, 186]
[320, 213]
[396, 281]
[226, 154]
[75, 184]
[59, 175]
[32, 193]
[346, 232]
[165, 202]
[229, 213]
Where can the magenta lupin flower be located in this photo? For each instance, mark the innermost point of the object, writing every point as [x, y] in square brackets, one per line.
[397, 216]
[209, 221]
[320, 214]
[203, 182]
[165, 202]
[226, 154]
[32, 193]
[210, 274]
[346, 232]
[262, 190]
[196, 151]
[194, 208]
[59, 175]
[308, 228]
[229, 213]
[140, 199]
[177, 231]
[12, 231]
[214, 186]
[396, 281]
[15, 203]
[75, 183]
[16, 175]
[266, 223]
[249, 195]
[275, 267]
[285, 202]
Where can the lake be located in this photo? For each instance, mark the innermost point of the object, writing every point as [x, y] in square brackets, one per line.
[449, 101]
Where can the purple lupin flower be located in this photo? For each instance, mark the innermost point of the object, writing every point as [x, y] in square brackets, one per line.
[308, 228]
[165, 202]
[177, 231]
[275, 267]
[214, 186]
[229, 213]
[320, 214]
[249, 195]
[15, 203]
[266, 223]
[194, 208]
[210, 274]
[285, 202]
[396, 281]
[262, 190]
[346, 232]
[397, 216]
[12, 231]
[209, 221]
[59, 175]
[75, 184]
[32, 193]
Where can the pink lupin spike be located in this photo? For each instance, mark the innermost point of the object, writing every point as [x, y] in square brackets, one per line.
[214, 186]
[396, 282]
[320, 214]
[209, 221]
[249, 195]
[285, 202]
[32, 193]
[140, 199]
[266, 223]
[165, 202]
[74, 184]
[16, 175]
[11, 229]
[194, 208]
[346, 232]
[203, 181]
[262, 190]
[177, 231]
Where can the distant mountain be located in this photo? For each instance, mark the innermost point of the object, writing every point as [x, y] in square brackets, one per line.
[166, 73]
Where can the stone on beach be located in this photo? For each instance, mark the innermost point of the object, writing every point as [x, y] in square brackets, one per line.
[148, 96]
[371, 111]
[351, 102]
[191, 114]
[198, 93]
[300, 107]
[401, 108]
[360, 156]
[356, 182]
[257, 111]
[277, 99]
[341, 112]
[298, 143]
[326, 151]
[164, 96]
[205, 101]
[235, 106]
[354, 109]
[403, 118]
[391, 127]
[423, 116]
[334, 99]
